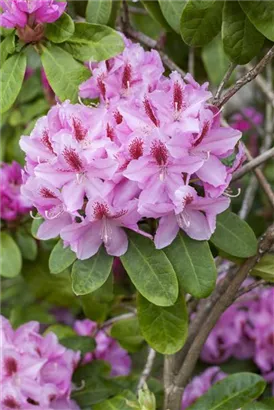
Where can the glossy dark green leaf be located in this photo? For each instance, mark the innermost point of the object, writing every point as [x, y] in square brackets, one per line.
[60, 30]
[257, 405]
[234, 236]
[7, 46]
[60, 258]
[164, 328]
[241, 40]
[261, 14]
[27, 245]
[265, 268]
[215, 60]
[193, 262]
[94, 42]
[89, 275]
[120, 402]
[10, 256]
[83, 343]
[127, 333]
[98, 11]
[61, 331]
[154, 10]
[150, 271]
[11, 78]
[63, 72]
[36, 223]
[231, 393]
[201, 21]
[172, 11]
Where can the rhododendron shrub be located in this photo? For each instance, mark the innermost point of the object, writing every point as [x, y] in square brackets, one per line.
[136, 187]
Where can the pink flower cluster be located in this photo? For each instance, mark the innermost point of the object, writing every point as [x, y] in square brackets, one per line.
[107, 349]
[199, 385]
[153, 147]
[19, 13]
[13, 204]
[36, 371]
[245, 331]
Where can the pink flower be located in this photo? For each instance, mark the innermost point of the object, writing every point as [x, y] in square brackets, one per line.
[106, 348]
[199, 385]
[240, 120]
[19, 13]
[36, 371]
[13, 204]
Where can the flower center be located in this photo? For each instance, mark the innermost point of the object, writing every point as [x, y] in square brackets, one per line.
[10, 366]
[136, 148]
[73, 159]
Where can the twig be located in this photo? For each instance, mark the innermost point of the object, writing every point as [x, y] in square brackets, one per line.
[150, 43]
[249, 76]
[253, 163]
[147, 369]
[249, 197]
[206, 318]
[191, 60]
[264, 86]
[250, 287]
[137, 10]
[222, 85]
[116, 319]
[125, 16]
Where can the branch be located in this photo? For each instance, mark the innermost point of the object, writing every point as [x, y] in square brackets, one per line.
[251, 75]
[116, 319]
[227, 76]
[147, 369]
[251, 287]
[253, 163]
[249, 197]
[264, 86]
[206, 318]
[191, 60]
[150, 43]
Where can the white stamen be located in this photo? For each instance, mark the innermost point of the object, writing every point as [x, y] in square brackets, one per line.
[35, 217]
[229, 195]
[183, 219]
[106, 231]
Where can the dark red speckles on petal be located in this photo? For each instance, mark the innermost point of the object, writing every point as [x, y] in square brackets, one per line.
[178, 102]
[205, 130]
[127, 76]
[187, 200]
[110, 132]
[118, 117]
[120, 213]
[10, 365]
[47, 193]
[100, 210]
[136, 148]
[73, 159]
[46, 141]
[159, 152]
[150, 113]
[11, 403]
[101, 85]
[80, 132]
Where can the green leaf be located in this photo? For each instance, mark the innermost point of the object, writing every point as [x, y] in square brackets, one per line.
[30, 90]
[94, 42]
[36, 223]
[98, 11]
[94, 369]
[215, 60]
[201, 21]
[241, 40]
[60, 258]
[256, 405]
[22, 314]
[11, 78]
[63, 72]
[265, 268]
[119, 402]
[231, 393]
[194, 265]
[155, 12]
[172, 11]
[61, 331]
[89, 275]
[164, 328]
[261, 14]
[27, 245]
[150, 271]
[127, 333]
[83, 343]
[10, 256]
[7, 46]
[60, 30]
[234, 236]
